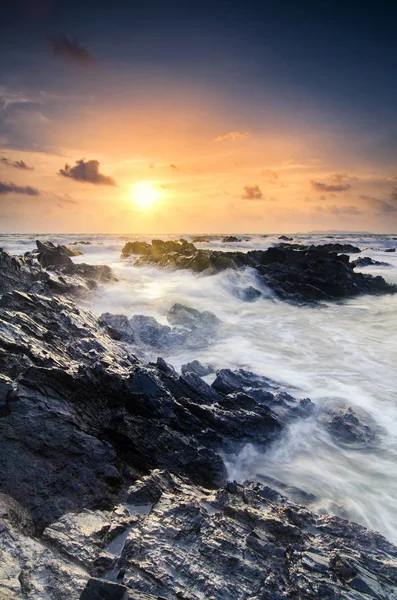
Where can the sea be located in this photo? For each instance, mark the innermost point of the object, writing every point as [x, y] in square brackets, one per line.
[339, 354]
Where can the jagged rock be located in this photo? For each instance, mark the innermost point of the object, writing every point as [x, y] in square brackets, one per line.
[346, 427]
[80, 243]
[247, 541]
[143, 331]
[198, 368]
[230, 239]
[365, 261]
[50, 255]
[185, 316]
[285, 238]
[28, 568]
[390, 250]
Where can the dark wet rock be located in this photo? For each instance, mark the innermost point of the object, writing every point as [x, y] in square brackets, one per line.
[241, 385]
[305, 274]
[294, 493]
[200, 239]
[228, 381]
[185, 316]
[26, 274]
[248, 294]
[365, 261]
[98, 589]
[390, 250]
[346, 427]
[285, 238]
[229, 239]
[198, 368]
[80, 243]
[50, 255]
[340, 248]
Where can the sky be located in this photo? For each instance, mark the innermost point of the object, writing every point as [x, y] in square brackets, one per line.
[198, 116]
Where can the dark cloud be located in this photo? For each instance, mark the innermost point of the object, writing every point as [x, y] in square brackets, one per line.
[252, 192]
[174, 167]
[324, 187]
[11, 188]
[18, 164]
[71, 50]
[87, 171]
[380, 206]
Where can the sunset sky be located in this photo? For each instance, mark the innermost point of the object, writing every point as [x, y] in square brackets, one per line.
[231, 116]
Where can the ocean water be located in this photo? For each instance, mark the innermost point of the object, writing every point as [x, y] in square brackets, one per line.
[340, 355]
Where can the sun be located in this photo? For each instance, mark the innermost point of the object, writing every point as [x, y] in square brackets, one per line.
[144, 194]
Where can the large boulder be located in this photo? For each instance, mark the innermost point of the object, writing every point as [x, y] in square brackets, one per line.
[50, 255]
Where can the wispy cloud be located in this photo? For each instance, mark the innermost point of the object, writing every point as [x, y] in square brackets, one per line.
[233, 136]
[12, 188]
[269, 175]
[252, 192]
[341, 177]
[9, 97]
[17, 164]
[87, 171]
[325, 187]
[174, 167]
[70, 50]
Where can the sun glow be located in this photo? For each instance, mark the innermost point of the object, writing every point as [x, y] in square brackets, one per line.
[144, 195]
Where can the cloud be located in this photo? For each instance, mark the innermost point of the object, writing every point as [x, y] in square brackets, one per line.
[269, 176]
[11, 188]
[71, 50]
[394, 194]
[340, 177]
[18, 164]
[380, 206]
[9, 97]
[324, 187]
[174, 167]
[252, 192]
[87, 171]
[233, 136]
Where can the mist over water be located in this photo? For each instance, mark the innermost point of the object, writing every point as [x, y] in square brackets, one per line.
[340, 355]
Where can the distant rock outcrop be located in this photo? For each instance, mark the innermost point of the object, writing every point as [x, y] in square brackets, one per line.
[293, 272]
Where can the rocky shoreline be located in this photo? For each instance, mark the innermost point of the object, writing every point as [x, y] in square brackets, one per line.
[299, 274]
[113, 483]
